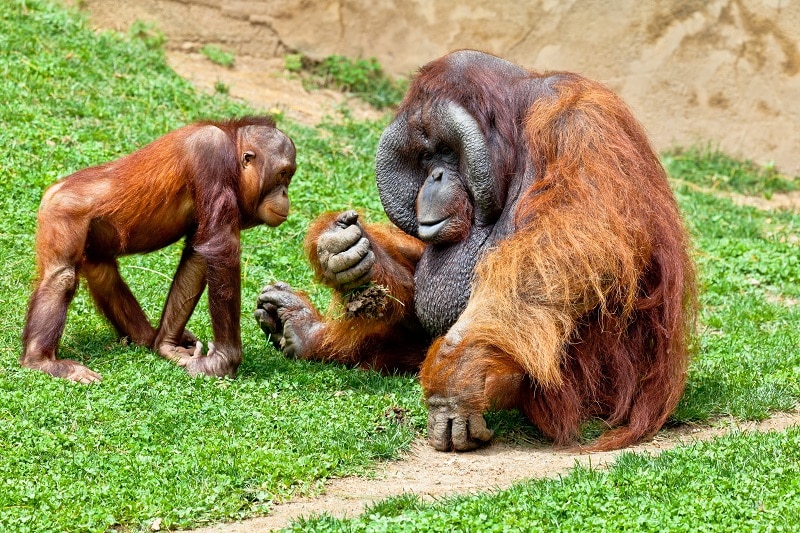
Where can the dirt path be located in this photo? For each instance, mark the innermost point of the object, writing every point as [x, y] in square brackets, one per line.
[431, 474]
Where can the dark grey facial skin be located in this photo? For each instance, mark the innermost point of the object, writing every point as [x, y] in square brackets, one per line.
[437, 213]
[480, 170]
[412, 192]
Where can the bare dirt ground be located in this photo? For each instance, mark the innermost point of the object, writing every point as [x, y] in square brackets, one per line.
[789, 201]
[264, 84]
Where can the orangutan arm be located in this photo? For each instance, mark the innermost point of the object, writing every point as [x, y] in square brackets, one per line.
[371, 269]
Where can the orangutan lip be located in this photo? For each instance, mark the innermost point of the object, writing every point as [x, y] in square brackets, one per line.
[279, 215]
[428, 230]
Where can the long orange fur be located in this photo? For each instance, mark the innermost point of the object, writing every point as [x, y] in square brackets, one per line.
[593, 299]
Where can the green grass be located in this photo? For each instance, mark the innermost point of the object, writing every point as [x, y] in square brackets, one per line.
[362, 77]
[748, 362]
[217, 55]
[148, 33]
[150, 443]
[713, 169]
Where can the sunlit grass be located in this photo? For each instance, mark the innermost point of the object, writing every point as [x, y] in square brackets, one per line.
[149, 443]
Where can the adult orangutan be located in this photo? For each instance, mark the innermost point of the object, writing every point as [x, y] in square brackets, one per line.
[206, 181]
[540, 259]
